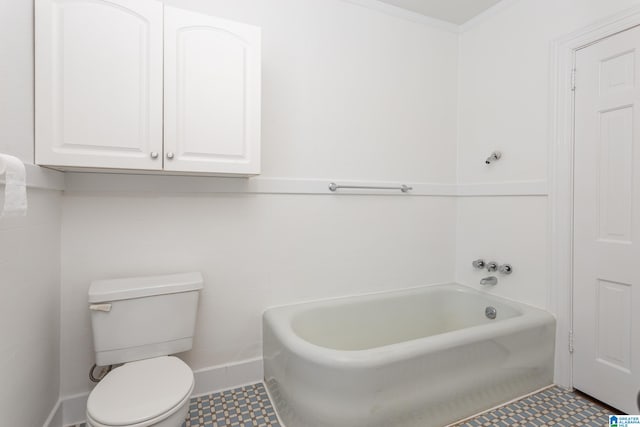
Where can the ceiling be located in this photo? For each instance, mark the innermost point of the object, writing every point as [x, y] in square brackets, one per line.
[454, 11]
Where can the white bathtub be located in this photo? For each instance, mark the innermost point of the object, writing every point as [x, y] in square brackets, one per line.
[422, 357]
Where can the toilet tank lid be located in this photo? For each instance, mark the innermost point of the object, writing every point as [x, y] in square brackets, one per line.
[138, 287]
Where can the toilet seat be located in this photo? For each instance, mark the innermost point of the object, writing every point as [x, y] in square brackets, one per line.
[141, 393]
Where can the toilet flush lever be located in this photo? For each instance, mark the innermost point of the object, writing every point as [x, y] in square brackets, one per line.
[100, 307]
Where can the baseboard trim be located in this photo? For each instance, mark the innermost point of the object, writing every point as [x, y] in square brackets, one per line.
[224, 377]
[524, 396]
[72, 409]
[55, 416]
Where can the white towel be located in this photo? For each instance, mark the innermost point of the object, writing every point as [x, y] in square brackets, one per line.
[15, 186]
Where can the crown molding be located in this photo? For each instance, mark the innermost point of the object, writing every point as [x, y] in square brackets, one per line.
[408, 15]
[486, 15]
[433, 22]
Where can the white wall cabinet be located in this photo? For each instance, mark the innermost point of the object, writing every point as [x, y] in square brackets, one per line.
[143, 86]
[98, 76]
[212, 94]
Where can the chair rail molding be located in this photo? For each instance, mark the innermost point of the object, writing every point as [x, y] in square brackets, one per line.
[148, 183]
[560, 172]
[41, 178]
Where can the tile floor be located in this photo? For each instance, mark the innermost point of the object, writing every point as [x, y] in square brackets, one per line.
[241, 407]
[250, 407]
[550, 407]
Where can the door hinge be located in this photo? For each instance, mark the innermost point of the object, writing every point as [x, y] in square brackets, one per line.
[573, 79]
[570, 341]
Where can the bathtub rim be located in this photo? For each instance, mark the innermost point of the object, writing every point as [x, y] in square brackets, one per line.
[279, 320]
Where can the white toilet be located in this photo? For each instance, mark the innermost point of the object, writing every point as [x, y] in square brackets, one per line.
[140, 322]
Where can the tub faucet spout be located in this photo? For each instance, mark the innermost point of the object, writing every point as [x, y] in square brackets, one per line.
[491, 280]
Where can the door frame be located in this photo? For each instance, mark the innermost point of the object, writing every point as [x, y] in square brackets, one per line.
[560, 175]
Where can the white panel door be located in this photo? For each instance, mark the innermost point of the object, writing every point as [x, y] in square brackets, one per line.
[212, 94]
[607, 221]
[99, 83]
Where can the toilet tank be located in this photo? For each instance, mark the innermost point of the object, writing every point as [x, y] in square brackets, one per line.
[143, 317]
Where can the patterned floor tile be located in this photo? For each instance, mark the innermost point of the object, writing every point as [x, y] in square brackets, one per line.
[550, 407]
[250, 407]
[241, 407]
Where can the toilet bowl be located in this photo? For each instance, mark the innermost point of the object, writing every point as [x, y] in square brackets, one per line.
[151, 392]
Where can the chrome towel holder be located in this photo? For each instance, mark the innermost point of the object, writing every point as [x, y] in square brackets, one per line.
[334, 187]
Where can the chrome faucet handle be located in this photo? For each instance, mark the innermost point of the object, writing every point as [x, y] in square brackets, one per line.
[478, 264]
[494, 157]
[492, 266]
[505, 269]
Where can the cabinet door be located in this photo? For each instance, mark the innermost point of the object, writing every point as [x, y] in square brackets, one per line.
[212, 94]
[99, 83]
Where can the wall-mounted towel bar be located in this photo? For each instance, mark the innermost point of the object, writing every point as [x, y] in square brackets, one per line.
[333, 187]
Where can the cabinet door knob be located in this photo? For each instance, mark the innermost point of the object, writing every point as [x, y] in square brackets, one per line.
[154, 155]
[170, 155]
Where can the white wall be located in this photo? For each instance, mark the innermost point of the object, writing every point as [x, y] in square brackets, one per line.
[30, 249]
[504, 105]
[30, 311]
[348, 93]
[16, 78]
[504, 85]
[506, 230]
[254, 251]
